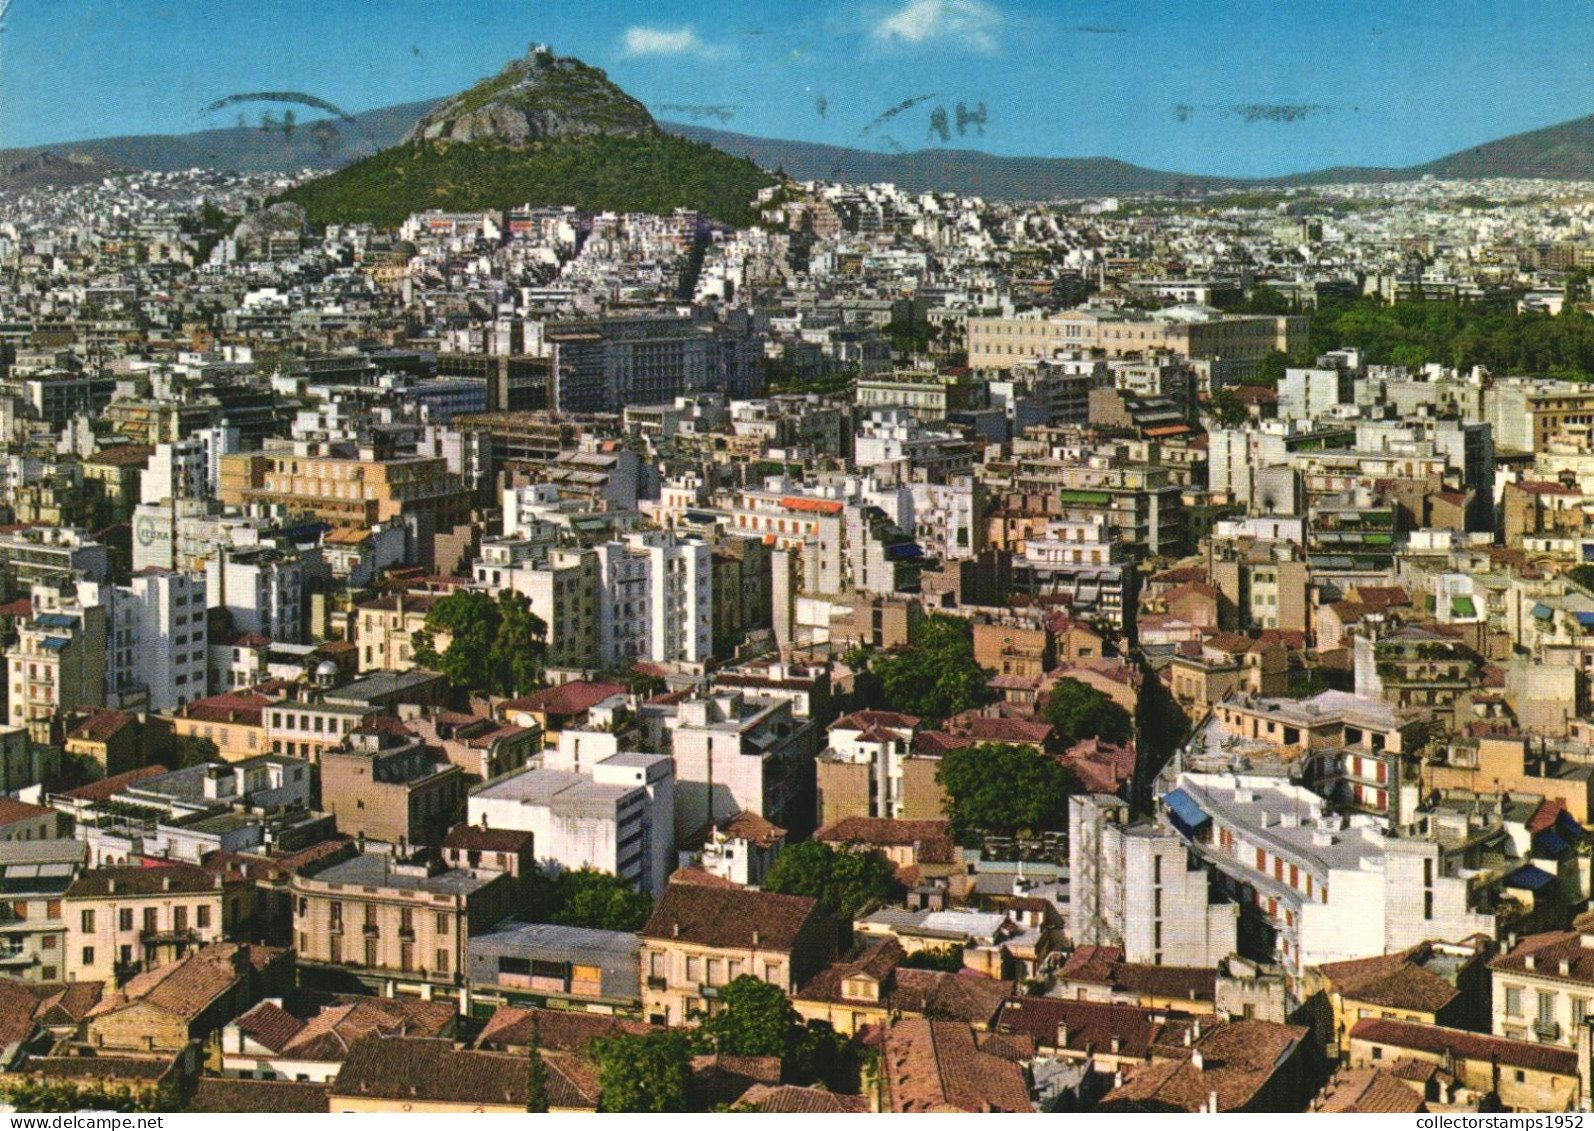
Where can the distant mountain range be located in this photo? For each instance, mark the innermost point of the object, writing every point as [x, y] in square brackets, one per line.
[1560, 152]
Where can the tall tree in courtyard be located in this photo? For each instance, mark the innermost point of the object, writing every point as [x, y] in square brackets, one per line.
[496, 645]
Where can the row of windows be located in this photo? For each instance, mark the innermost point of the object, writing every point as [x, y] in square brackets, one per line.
[148, 921]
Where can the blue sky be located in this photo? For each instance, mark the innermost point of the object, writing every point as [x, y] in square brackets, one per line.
[1243, 87]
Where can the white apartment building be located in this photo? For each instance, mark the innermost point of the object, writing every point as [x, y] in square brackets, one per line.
[1139, 887]
[1325, 887]
[590, 805]
[176, 471]
[561, 586]
[157, 639]
[655, 600]
[736, 753]
[263, 590]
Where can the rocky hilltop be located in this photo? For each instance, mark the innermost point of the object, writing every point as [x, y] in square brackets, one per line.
[541, 97]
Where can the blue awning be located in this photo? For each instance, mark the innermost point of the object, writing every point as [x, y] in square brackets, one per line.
[1585, 619]
[1186, 815]
[1568, 828]
[1529, 878]
[1543, 611]
[1546, 843]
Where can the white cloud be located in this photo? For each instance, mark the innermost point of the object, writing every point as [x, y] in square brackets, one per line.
[667, 41]
[920, 21]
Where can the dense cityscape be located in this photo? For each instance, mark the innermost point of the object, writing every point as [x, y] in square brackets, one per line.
[857, 649]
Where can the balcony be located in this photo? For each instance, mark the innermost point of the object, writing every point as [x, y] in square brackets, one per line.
[658, 983]
[407, 934]
[1546, 1030]
[15, 956]
[158, 937]
[372, 931]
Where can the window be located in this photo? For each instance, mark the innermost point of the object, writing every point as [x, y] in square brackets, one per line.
[442, 922]
[49, 942]
[150, 914]
[202, 916]
[1427, 905]
[124, 919]
[1579, 1011]
[1513, 1001]
[88, 929]
[1378, 1053]
[88, 956]
[442, 961]
[1546, 1008]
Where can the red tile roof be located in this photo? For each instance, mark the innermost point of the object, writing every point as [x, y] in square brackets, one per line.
[730, 917]
[1469, 1046]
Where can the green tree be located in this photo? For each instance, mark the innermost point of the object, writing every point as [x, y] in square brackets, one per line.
[1078, 711]
[756, 1019]
[494, 645]
[1266, 300]
[936, 676]
[999, 787]
[193, 750]
[947, 959]
[644, 1072]
[1161, 726]
[1269, 370]
[1227, 409]
[587, 897]
[536, 1074]
[845, 881]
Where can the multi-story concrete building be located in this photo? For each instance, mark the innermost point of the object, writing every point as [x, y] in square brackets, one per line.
[591, 805]
[56, 667]
[122, 920]
[36, 876]
[736, 753]
[655, 600]
[701, 939]
[384, 784]
[1138, 886]
[1316, 887]
[263, 590]
[398, 921]
[1190, 332]
[351, 487]
[157, 633]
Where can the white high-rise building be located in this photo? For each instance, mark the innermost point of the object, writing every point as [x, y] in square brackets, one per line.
[156, 639]
[655, 599]
[263, 590]
[175, 471]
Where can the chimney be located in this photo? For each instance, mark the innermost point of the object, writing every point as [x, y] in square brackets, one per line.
[1212, 1102]
[110, 887]
[1117, 1044]
[166, 883]
[1198, 1060]
[1531, 962]
[1565, 968]
[1062, 1034]
[675, 929]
